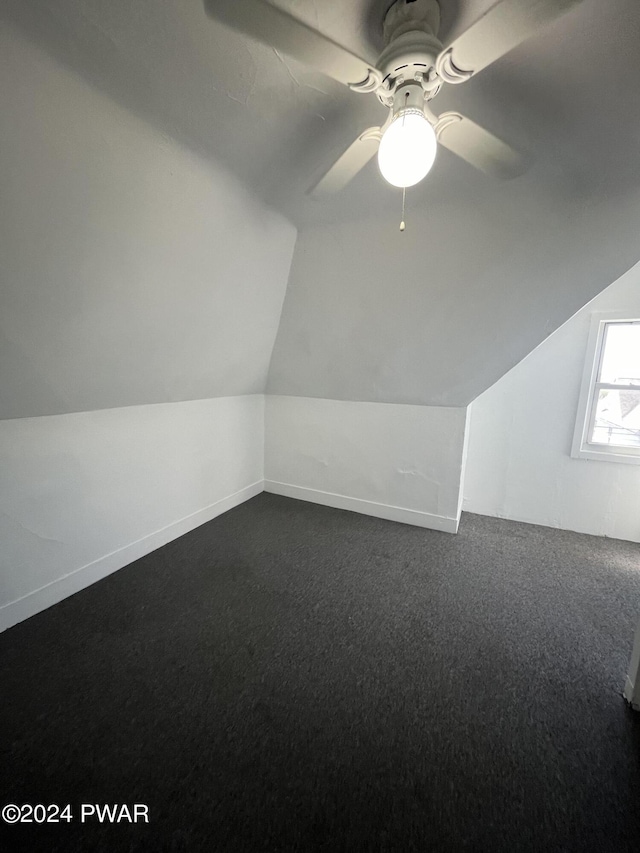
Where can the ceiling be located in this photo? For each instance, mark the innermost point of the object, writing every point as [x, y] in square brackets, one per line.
[568, 97]
[132, 271]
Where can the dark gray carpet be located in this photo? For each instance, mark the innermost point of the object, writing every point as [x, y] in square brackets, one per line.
[295, 678]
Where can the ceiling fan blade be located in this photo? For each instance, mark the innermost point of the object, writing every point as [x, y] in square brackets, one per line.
[350, 163]
[503, 27]
[479, 147]
[281, 31]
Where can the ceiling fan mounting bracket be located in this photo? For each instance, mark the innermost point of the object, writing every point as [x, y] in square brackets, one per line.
[373, 82]
[445, 121]
[374, 133]
[448, 71]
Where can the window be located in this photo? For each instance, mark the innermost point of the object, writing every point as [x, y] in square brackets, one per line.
[608, 424]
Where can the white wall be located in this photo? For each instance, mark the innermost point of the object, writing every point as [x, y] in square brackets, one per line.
[132, 271]
[632, 684]
[398, 462]
[84, 494]
[519, 464]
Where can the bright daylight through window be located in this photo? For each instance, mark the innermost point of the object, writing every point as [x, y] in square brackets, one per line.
[609, 413]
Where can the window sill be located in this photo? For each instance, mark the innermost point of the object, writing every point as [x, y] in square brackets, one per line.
[617, 454]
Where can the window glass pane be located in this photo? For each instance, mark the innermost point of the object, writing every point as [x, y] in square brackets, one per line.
[621, 357]
[617, 418]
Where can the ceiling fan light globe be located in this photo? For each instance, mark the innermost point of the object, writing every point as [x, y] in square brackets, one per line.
[407, 150]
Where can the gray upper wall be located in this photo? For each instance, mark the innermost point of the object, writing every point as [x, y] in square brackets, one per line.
[132, 271]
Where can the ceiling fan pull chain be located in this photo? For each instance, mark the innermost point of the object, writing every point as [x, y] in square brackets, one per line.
[402, 223]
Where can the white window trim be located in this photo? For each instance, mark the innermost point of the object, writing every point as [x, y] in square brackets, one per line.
[581, 448]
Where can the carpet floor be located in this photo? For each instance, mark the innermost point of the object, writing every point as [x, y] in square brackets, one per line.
[290, 677]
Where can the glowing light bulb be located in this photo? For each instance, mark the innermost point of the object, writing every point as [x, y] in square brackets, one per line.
[407, 150]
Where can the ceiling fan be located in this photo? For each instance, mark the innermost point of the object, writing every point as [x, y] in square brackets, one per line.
[407, 76]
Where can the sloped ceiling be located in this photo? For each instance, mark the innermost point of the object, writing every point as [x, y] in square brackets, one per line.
[485, 270]
[131, 270]
[425, 317]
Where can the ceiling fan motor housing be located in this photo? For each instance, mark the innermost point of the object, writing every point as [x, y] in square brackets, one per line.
[412, 47]
[409, 15]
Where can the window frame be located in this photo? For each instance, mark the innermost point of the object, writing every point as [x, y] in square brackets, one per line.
[581, 447]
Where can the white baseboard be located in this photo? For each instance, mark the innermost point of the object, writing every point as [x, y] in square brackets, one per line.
[52, 593]
[378, 510]
[630, 695]
[544, 523]
[40, 599]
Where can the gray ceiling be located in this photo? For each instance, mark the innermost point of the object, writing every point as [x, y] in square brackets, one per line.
[131, 270]
[486, 271]
[569, 97]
